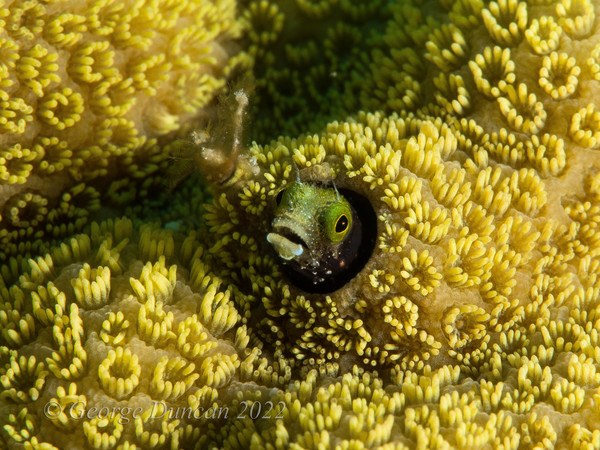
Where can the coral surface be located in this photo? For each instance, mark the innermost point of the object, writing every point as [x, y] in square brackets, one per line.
[474, 323]
[88, 92]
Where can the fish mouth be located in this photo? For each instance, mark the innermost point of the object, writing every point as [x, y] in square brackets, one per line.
[287, 242]
[291, 236]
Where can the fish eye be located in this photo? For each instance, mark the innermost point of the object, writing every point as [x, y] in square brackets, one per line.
[336, 221]
[341, 224]
[279, 197]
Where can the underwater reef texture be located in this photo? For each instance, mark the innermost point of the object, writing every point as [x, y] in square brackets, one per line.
[476, 321]
[87, 90]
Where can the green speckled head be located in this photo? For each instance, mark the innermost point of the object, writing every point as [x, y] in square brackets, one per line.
[314, 230]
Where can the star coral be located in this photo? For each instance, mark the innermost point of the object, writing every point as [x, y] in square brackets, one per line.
[474, 322]
[86, 85]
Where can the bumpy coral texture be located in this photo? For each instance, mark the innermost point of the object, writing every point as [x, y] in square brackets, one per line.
[87, 89]
[475, 322]
[304, 78]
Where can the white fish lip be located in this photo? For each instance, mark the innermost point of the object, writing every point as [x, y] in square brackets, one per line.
[285, 248]
[291, 229]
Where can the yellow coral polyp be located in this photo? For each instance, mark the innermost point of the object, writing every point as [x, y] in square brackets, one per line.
[172, 378]
[103, 16]
[26, 19]
[113, 97]
[78, 247]
[15, 164]
[455, 409]
[22, 427]
[466, 262]
[452, 190]
[154, 324]
[399, 90]
[383, 168]
[193, 339]
[61, 109]
[92, 286]
[104, 432]
[315, 9]
[264, 22]
[24, 379]
[566, 396]
[79, 197]
[216, 311]
[422, 154]
[491, 191]
[585, 127]
[518, 235]
[217, 371]
[455, 98]
[53, 154]
[41, 270]
[466, 13]
[393, 238]
[543, 35]
[137, 32]
[593, 62]
[535, 379]
[381, 281]
[346, 334]
[26, 209]
[37, 68]
[150, 73]
[190, 39]
[151, 432]
[419, 273]
[14, 116]
[194, 91]
[119, 373]
[253, 198]
[559, 75]
[582, 371]
[67, 407]
[9, 52]
[69, 360]
[65, 30]
[114, 329]
[403, 195]
[580, 437]
[465, 325]
[402, 314]
[309, 154]
[117, 135]
[503, 147]
[576, 17]
[505, 21]
[48, 303]
[547, 154]
[447, 47]
[156, 281]
[18, 329]
[522, 110]
[528, 193]
[539, 430]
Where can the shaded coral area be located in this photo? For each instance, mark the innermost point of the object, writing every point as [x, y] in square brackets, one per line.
[474, 323]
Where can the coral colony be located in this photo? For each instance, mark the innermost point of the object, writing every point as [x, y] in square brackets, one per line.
[207, 317]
